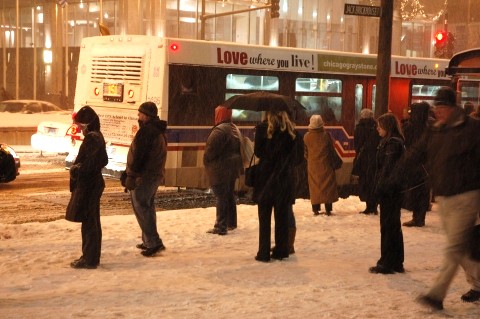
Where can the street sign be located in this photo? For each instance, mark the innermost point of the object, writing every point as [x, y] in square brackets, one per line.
[358, 10]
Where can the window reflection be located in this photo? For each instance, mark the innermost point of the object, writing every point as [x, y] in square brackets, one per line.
[249, 83]
[321, 96]
[252, 82]
[318, 85]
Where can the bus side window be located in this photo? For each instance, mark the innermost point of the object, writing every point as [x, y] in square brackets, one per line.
[321, 96]
[187, 82]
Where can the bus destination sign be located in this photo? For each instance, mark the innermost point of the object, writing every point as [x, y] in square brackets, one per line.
[358, 10]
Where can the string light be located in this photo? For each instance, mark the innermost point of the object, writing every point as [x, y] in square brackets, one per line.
[410, 9]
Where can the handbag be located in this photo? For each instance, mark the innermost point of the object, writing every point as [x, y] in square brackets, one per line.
[77, 206]
[475, 243]
[335, 160]
[250, 172]
[246, 147]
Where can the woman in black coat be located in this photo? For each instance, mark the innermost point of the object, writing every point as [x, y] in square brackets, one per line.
[366, 140]
[417, 196]
[390, 198]
[86, 186]
[279, 149]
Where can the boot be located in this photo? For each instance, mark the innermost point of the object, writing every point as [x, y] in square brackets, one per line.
[292, 231]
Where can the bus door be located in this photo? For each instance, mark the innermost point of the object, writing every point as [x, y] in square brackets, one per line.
[359, 93]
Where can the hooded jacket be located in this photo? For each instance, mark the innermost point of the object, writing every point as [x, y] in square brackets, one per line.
[148, 152]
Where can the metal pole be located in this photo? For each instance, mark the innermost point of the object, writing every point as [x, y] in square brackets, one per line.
[202, 31]
[4, 50]
[64, 96]
[384, 58]
[34, 46]
[17, 51]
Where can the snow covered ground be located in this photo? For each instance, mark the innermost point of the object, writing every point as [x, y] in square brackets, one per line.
[201, 275]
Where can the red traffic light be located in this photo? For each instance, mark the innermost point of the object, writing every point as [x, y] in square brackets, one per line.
[440, 36]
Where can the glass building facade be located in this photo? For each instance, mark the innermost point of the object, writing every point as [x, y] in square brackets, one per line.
[40, 39]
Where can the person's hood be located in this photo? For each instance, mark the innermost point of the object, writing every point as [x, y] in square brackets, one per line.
[419, 112]
[222, 114]
[161, 125]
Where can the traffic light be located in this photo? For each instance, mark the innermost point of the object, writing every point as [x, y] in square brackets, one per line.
[274, 9]
[444, 44]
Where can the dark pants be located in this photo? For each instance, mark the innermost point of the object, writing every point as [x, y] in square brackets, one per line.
[281, 215]
[143, 203]
[391, 242]
[92, 232]
[226, 208]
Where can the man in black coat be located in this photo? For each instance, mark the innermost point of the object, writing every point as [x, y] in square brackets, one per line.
[145, 172]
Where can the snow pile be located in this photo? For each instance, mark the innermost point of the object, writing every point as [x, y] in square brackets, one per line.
[209, 276]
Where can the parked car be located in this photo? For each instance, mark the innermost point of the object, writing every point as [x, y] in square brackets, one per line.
[9, 164]
[28, 106]
[53, 137]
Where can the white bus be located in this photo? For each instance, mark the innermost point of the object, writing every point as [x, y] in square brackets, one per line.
[187, 79]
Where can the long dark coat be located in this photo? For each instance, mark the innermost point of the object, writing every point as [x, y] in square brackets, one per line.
[86, 181]
[390, 197]
[366, 141]
[222, 159]
[417, 194]
[278, 158]
[321, 176]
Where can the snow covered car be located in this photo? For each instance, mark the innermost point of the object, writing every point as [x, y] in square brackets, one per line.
[53, 137]
[28, 106]
[51, 121]
[9, 164]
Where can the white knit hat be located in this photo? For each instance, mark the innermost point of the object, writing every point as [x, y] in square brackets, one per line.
[316, 122]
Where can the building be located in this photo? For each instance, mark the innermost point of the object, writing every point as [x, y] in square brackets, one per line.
[40, 39]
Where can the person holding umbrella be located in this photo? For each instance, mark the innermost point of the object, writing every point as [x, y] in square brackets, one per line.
[279, 149]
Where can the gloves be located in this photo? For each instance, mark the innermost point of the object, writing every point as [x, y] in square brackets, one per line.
[130, 183]
[74, 171]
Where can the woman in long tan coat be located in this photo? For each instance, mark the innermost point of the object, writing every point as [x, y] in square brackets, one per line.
[322, 183]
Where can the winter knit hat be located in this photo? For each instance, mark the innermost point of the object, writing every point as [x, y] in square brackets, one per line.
[316, 122]
[149, 109]
[222, 114]
[446, 96]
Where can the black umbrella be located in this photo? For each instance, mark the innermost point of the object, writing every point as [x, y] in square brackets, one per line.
[264, 101]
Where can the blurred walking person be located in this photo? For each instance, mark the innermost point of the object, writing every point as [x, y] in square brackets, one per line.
[388, 191]
[86, 186]
[451, 151]
[223, 165]
[322, 182]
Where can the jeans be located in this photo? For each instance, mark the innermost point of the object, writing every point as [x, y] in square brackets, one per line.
[142, 198]
[226, 212]
[458, 214]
